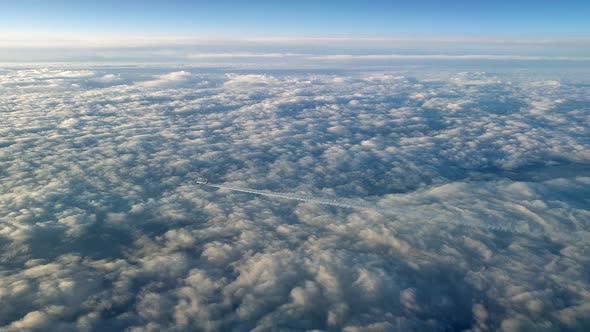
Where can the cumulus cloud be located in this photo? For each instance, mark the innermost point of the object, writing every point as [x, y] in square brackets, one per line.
[103, 227]
[170, 80]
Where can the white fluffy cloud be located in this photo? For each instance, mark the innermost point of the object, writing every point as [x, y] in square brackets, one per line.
[103, 228]
[171, 80]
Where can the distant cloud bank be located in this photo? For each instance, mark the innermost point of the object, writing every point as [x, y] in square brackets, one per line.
[208, 49]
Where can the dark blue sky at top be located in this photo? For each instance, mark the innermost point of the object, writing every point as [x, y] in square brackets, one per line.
[303, 17]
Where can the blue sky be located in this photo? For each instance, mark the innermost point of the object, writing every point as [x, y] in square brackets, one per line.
[182, 30]
[304, 17]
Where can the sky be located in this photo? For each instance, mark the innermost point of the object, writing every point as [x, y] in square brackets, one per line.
[197, 31]
[307, 17]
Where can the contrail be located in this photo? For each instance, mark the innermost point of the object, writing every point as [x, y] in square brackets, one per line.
[432, 217]
[324, 201]
[345, 204]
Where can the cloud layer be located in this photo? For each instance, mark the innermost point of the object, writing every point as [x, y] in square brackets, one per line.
[102, 226]
[319, 52]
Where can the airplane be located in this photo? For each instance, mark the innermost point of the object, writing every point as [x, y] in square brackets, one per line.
[201, 181]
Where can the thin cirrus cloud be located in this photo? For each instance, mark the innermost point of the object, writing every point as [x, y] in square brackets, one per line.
[104, 228]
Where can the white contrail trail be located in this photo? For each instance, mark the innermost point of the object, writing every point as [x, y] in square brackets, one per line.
[325, 201]
[359, 206]
[429, 216]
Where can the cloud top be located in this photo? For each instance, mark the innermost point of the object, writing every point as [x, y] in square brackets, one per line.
[104, 228]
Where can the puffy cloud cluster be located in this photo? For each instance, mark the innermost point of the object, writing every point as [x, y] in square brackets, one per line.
[102, 226]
